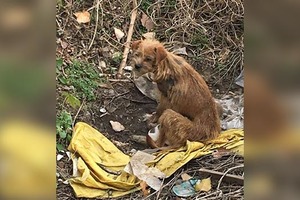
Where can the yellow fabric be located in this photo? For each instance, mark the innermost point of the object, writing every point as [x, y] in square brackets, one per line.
[100, 163]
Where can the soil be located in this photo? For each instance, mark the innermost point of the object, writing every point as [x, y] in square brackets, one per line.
[125, 104]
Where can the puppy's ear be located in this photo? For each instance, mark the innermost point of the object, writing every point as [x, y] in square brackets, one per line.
[160, 54]
[135, 44]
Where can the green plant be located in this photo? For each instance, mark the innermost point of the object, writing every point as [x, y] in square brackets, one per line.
[64, 125]
[145, 4]
[71, 100]
[82, 76]
[199, 38]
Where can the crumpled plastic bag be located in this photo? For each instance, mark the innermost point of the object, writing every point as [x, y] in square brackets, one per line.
[233, 111]
[100, 163]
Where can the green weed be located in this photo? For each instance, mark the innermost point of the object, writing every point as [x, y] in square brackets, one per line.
[64, 125]
[82, 76]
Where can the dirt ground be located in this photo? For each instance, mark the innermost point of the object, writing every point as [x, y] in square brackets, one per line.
[127, 105]
[219, 59]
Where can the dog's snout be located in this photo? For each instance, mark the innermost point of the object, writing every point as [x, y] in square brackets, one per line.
[138, 66]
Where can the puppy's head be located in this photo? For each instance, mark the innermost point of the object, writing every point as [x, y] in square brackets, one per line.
[146, 56]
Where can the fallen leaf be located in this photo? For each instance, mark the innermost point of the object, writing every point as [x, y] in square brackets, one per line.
[119, 34]
[147, 22]
[149, 35]
[185, 177]
[203, 185]
[102, 65]
[83, 17]
[219, 153]
[144, 185]
[181, 51]
[117, 126]
[63, 44]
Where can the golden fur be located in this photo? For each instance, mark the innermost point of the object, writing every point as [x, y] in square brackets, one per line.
[187, 110]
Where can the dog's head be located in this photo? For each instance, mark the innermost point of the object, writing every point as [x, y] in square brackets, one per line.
[146, 56]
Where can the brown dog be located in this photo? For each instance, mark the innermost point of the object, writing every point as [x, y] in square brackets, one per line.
[187, 110]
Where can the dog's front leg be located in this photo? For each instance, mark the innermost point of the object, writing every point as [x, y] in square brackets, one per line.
[161, 107]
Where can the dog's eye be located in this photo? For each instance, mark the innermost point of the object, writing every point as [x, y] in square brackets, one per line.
[148, 59]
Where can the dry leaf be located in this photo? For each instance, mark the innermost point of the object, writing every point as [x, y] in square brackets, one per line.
[83, 17]
[147, 22]
[203, 185]
[102, 65]
[185, 177]
[117, 126]
[219, 153]
[144, 185]
[63, 44]
[119, 34]
[180, 51]
[149, 35]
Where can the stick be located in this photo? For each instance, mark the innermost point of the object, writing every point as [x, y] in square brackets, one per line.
[219, 183]
[129, 36]
[227, 177]
[96, 26]
[73, 123]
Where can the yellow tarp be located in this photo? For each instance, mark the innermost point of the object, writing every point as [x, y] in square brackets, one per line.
[100, 163]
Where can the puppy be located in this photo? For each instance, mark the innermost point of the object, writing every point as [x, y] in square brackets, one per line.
[186, 110]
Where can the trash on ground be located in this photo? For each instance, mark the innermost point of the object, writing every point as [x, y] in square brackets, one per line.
[152, 136]
[240, 79]
[59, 157]
[146, 86]
[203, 185]
[233, 111]
[99, 165]
[185, 177]
[186, 188]
[137, 166]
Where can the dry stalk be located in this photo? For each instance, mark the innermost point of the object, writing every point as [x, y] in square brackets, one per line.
[129, 36]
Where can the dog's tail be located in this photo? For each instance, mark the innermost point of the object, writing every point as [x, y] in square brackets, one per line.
[176, 129]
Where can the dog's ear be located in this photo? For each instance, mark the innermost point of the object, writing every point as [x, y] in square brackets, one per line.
[135, 44]
[160, 54]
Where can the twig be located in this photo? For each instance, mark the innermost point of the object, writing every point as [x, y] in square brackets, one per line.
[227, 177]
[129, 36]
[96, 26]
[232, 168]
[119, 80]
[77, 113]
[137, 101]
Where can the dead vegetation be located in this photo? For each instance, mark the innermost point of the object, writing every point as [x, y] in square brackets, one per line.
[211, 31]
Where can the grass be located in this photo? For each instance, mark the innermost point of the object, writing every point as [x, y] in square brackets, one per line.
[82, 79]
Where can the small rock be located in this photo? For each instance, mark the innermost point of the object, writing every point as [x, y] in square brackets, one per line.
[117, 126]
[128, 68]
[102, 110]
